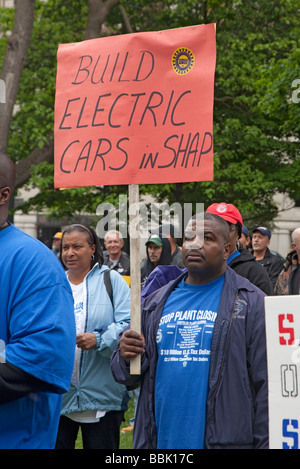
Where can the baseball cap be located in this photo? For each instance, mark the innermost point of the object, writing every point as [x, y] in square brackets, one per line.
[264, 231]
[245, 230]
[154, 238]
[57, 235]
[227, 211]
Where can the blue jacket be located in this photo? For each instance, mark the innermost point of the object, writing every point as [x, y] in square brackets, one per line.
[237, 403]
[97, 389]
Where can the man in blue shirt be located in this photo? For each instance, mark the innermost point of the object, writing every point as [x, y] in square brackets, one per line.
[37, 333]
[203, 353]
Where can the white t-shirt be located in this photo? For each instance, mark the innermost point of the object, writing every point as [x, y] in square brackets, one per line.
[79, 295]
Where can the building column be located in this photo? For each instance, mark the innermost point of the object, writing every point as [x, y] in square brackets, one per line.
[26, 223]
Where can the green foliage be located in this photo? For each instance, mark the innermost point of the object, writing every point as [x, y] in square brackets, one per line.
[280, 98]
[253, 159]
[67, 203]
[256, 123]
[33, 122]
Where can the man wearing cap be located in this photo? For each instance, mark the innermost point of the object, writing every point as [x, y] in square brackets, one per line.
[158, 252]
[203, 353]
[241, 260]
[56, 243]
[260, 242]
[168, 230]
[245, 239]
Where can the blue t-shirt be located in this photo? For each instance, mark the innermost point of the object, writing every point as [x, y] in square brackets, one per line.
[37, 335]
[183, 343]
[233, 256]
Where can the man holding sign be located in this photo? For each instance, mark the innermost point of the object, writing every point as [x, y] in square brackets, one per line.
[203, 369]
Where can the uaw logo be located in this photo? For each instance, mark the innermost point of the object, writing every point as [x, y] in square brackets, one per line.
[158, 336]
[183, 61]
[239, 308]
[221, 208]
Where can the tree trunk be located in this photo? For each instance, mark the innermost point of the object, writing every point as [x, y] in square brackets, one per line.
[23, 167]
[15, 56]
[98, 11]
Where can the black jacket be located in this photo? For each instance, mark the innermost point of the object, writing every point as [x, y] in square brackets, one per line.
[165, 259]
[246, 265]
[288, 280]
[176, 258]
[237, 401]
[272, 264]
[123, 265]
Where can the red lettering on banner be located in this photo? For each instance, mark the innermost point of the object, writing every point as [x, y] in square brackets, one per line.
[286, 330]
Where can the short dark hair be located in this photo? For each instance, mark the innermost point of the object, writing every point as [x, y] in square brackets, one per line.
[239, 229]
[92, 239]
[223, 223]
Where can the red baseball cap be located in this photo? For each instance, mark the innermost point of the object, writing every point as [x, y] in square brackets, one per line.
[227, 211]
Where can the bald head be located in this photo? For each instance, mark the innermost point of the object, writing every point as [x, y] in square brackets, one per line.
[295, 234]
[7, 172]
[296, 241]
[7, 185]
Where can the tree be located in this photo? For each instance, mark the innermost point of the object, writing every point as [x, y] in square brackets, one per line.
[279, 88]
[98, 12]
[253, 157]
[253, 147]
[32, 127]
[16, 51]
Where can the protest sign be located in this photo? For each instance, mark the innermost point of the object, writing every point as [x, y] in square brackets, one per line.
[135, 108]
[283, 341]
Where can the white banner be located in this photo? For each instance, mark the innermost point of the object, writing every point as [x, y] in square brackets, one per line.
[283, 350]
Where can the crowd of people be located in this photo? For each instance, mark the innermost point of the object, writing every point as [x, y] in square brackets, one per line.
[66, 341]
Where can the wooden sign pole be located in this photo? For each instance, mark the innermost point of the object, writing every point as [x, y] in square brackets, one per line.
[135, 269]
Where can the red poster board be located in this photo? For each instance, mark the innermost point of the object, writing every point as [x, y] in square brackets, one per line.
[136, 108]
